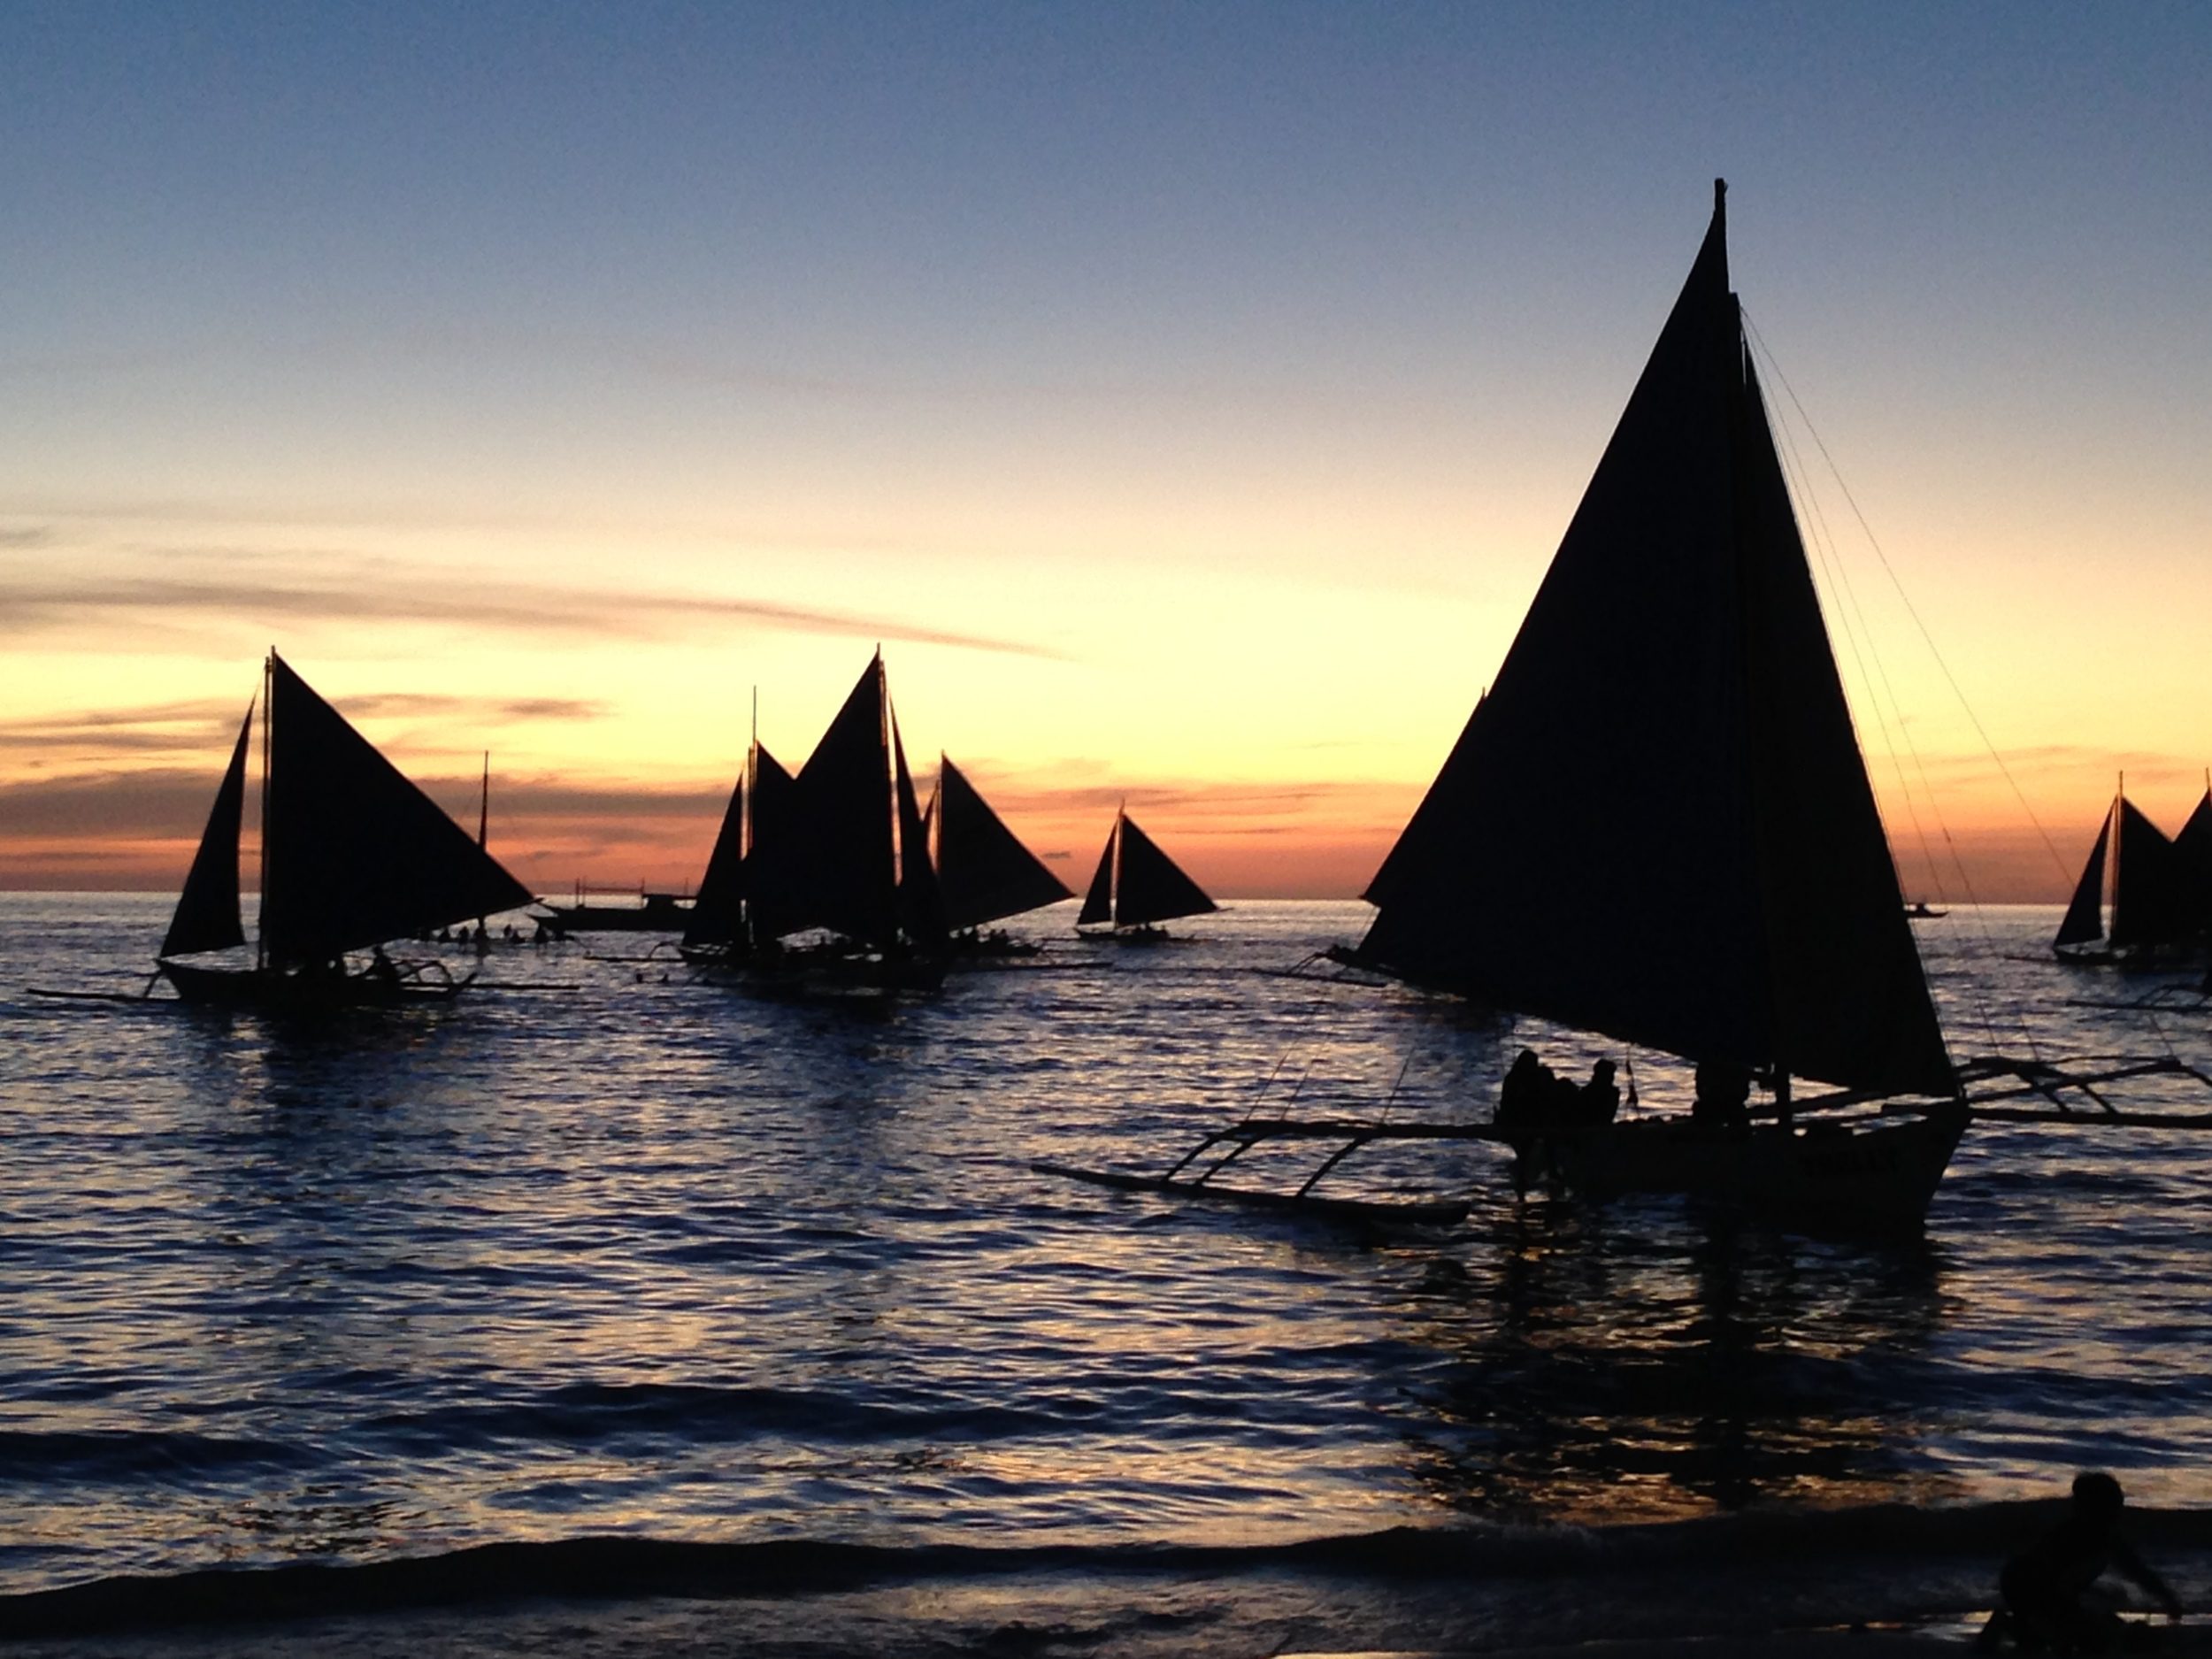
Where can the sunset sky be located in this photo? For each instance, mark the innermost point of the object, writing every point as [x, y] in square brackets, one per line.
[1187, 398]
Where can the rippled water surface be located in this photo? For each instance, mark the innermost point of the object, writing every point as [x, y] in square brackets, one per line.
[600, 1249]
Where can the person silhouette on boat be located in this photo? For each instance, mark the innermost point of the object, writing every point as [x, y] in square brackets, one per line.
[1599, 1101]
[1525, 1093]
[383, 971]
[2046, 1587]
[1723, 1095]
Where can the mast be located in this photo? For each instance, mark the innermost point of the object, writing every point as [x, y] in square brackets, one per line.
[1121, 842]
[484, 806]
[261, 897]
[2119, 839]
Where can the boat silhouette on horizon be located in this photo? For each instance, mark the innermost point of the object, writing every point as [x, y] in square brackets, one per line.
[353, 855]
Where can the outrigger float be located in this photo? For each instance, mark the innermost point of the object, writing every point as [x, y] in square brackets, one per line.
[1856, 1171]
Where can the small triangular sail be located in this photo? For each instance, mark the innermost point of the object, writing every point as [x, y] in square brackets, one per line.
[770, 820]
[2084, 920]
[921, 895]
[1098, 901]
[1663, 831]
[2149, 892]
[987, 873]
[356, 853]
[717, 910]
[207, 915]
[1152, 888]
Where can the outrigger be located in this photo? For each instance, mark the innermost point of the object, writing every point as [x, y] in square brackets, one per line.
[1806, 1174]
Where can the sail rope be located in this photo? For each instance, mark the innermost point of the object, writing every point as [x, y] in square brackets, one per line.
[1889, 715]
[2057, 859]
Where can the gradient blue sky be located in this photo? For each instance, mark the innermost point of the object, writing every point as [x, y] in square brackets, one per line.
[1188, 396]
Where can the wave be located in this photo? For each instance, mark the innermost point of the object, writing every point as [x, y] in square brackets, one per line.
[1841, 1542]
[106, 1455]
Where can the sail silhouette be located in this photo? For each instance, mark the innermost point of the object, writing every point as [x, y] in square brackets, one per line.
[717, 909]
[852, 859]
[2155, 886]
[2084, 921]
[2193, 847]
[985, 872]
[1136, 884]
[207, 915]
[352, 855]
[1660, 827]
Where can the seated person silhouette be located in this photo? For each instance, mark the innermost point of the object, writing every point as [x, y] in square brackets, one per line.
[2046, 1586]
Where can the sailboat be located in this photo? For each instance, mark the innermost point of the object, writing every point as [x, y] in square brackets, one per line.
[983, 870]
[1657, 824]
[837, 885]
[2152, 890]
[352, 855]
[1137, 887]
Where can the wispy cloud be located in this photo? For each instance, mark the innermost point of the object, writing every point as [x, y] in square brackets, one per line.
[205, 725]
[34, 597]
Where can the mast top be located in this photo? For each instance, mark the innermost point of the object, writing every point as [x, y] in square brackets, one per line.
[1720, 194]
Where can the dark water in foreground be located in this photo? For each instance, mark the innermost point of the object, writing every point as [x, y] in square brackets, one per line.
[767, 1294]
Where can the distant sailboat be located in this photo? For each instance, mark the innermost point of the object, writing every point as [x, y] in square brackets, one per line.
[844, 858]
[985, 873]
[2151, 896]
[1657, 824]
[1137, 887]
[352, 855]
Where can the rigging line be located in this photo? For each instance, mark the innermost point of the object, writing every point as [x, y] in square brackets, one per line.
[1878, 685]
[1852, 615]
[1980, 1004]
[1912, 611]
[1831, 548]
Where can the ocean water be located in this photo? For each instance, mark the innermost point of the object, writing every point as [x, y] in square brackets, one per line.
[679, 1298]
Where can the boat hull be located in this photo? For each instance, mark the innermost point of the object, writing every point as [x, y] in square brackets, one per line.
[658, 913]
[1866, 1176]
[264, 990]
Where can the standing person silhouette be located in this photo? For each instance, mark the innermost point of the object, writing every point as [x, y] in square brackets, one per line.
[2047, 1585]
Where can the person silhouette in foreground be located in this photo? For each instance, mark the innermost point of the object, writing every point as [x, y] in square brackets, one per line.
[2046, 1603]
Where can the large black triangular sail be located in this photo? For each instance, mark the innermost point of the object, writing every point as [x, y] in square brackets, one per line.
[844, 850]
[354, 853]
[1660, 828]
[207, 915]
[2084, 920]
[987, 875]
[1152, 888]
[1430, 840]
